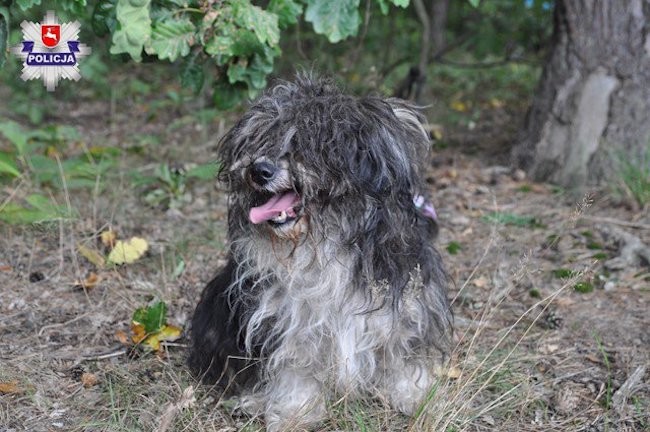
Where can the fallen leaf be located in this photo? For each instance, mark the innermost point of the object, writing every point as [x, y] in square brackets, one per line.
[5, 268]
[167, 334]
[122, 337]
[93, 256]
[10, 387]
[129, 251]
[139, 333]
[480, 282]
[108, 238]
[497, 103]
[89, 380]
[459, 106]
[89, 283]
[452, 372]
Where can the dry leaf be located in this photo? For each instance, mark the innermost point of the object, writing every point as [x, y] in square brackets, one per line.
[108, 238]
[92, 256]
[122, 337]
[459, 106]
[129, 251]
[5, 268]
[450, 372]
[167, 334]
[90, 282]
[10, 387]
[139, 333]
[89, 379]
[480, 282]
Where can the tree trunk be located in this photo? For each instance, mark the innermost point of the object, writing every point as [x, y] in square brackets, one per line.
[439, 13]
[593, 101]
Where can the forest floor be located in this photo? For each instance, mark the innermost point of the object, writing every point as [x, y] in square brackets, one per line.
[552, 322]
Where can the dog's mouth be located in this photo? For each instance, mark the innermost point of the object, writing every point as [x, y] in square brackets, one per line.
[277, 209]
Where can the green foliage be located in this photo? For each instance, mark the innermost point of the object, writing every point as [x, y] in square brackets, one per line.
[168, 186]
[337, 19]
[152, 318]
[134, 28]
[563, 273]
[583, 287]
[453, 247]
[4, 33]
[37, 209]
[633, 172]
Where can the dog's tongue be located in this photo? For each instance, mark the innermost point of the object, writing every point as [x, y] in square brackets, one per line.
[273, 207]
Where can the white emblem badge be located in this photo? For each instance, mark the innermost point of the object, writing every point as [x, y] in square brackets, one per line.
[51, 51]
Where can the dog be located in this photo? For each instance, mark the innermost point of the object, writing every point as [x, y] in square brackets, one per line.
[333, 286]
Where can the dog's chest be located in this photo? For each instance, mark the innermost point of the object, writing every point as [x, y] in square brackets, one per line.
[323, 325]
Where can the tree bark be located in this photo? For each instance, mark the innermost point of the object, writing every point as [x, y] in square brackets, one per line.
[592, 104]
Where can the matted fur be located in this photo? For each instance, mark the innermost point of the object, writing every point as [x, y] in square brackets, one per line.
[349, 299]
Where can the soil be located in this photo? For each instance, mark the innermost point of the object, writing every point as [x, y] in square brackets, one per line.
[534, 353]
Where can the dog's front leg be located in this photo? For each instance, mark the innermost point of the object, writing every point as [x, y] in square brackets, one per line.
[295, 401]
[407, 385]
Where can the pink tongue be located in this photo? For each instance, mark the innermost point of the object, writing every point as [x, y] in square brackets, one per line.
[273, 207]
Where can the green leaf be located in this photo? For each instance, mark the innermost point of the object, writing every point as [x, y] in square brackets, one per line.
[563, 273]
[383, 6]
[205, 171]
[104, 17]
[134, 28]
[171, 38]
[16, 135]
[402, 3]
[263, 23]
[584, 287]
[453, 248]
[8, 165]
[253, 73]
[287, 11]
[220, 47]
[40, 209]
[336, 19]
[226, 96]
[27, 4]
[474, 3]
[4, 34]
[192, 73]
[153, 317]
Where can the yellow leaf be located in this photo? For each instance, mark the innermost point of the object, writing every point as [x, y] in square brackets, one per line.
[459, 106]
[497, 103]
[167, 334]
[451, 372]
[92, 256]
[108, 238]
[436, 131]
[139, 334]
[10, 387]
[127, 252]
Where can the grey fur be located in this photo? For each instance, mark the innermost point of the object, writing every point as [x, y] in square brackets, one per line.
[351, 297]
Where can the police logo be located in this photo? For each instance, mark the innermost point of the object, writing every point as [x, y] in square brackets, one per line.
[51, 51]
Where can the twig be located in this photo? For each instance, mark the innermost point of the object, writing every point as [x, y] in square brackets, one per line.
[625, 391]
[115, 353]
[63, 324]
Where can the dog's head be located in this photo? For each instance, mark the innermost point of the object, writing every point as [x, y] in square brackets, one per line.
[308, 158]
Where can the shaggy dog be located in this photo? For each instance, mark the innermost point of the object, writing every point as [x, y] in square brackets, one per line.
[333, 286]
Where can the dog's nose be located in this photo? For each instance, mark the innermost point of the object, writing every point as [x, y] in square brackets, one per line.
[263, 172]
